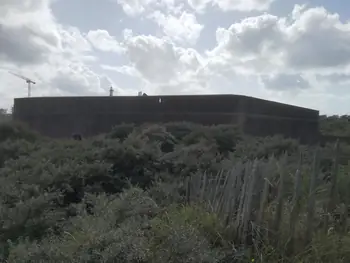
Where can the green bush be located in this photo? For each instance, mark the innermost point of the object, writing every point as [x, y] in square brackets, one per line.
[335, 125]
[121, 131]
[121, 197]
[181, 129]
[263, 148]
[130, 228]
[15, 131]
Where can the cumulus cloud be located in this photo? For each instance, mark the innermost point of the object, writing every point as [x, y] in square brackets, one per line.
[280, 82]
[125, 70]
[317, 39]
[183, 29]
[284, 54]
[77, 78]
[138, 7]
[266, 47]
[33, 44]
[312, 39]
[230, 5]
[155, 58]
[72, 40]
[23, 37]
[179, 25]
[335, 78]
[306, 51]
[163, 66]
[19, 44]
[103, 41]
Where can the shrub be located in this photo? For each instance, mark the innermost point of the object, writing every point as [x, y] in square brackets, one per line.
[263, 148]
[124, 229]
[76, 201]
[181, 129]
[121, 131]
[15, 131]
[14, 149]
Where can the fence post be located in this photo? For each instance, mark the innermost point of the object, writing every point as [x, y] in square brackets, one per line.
[264, 198]
[242, 199]
[216, 199]
[247, 211]
[332, 192]
[231, 190]
[296, 204]
[263, 201]
[311, 200]
[237, 189]
[280, 198]
[204, 186]
[188, 189]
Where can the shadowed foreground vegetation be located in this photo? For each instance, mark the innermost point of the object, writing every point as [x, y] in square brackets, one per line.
[136, 195]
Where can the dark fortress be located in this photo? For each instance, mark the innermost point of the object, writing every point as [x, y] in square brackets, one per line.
[88, 116]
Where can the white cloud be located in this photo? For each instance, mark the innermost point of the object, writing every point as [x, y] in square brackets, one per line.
[335, 78]
[243, 5]
[253, 45]
[33, 44]
[302, 58]
[183, 29]
[317, 39]
[137, 7]
[76, 78]
[199, 5]
[280, 53]
[72, 40]
[177, 24]
[156, 59]
[280, 82]
[24, 37]
[163, 67]
[103, 41]
[230, 5]
[126, 70]
[312, 39]
[20, 45]
[307, 51]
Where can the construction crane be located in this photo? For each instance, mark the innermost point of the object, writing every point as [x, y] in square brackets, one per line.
[28, 81]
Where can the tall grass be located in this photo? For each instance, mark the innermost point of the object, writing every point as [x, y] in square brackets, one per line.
[269, 207]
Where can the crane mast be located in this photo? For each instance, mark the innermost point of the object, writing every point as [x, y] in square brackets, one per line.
[28, 81]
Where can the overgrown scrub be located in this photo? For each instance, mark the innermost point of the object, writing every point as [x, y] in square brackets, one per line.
[128, 228]
[335, 125]
[121, 197]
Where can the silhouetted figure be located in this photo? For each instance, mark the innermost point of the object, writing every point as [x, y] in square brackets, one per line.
[77, 137]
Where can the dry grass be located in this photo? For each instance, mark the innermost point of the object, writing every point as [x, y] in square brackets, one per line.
[279, 215]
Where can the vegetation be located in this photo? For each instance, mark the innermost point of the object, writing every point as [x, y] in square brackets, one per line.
[126, 196]
[4, 115]
[335, 125]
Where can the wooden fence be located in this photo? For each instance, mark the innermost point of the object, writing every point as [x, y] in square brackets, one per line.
[264, 202]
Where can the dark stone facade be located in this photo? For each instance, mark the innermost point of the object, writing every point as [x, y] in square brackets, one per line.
[63, 116]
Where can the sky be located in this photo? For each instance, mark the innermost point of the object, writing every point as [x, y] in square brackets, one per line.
[294, 52]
